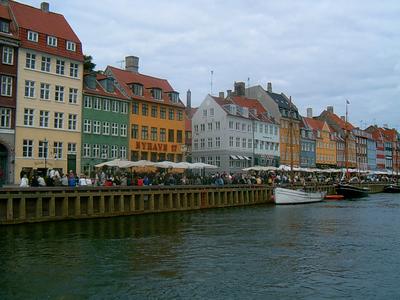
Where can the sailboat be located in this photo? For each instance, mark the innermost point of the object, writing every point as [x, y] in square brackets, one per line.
[345, 189]
[291, 195]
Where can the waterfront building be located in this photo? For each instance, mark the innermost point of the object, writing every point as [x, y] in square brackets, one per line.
[379, 137]
[105, 120]
[189, 112]
[386, 146]
[325, 143]
[285, 113]
[49, 91]
[361, 148]
[307, 144]
[345, 139]
[371, 153]
[9, 44]
[157, 123]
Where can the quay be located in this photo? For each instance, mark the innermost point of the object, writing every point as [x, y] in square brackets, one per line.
[28, 205]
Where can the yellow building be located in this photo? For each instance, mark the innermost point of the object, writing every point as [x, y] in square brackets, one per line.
[49, 92]
[325, 143]
[157, 123]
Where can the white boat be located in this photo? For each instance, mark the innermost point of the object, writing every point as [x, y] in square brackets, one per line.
[288, 196]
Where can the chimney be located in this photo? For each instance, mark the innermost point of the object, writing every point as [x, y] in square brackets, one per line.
[45, 7]
[269, 87]
[132, 64]
[188, 99]
[221, 95]
[330, 109]
[240, 88]
[309, 112]
[343, 118]
[228, 93]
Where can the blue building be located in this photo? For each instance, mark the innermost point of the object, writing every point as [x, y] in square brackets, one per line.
[307, 146]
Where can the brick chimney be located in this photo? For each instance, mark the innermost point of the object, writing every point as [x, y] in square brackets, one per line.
[45, 7]
[221, 95]
[269, 87]
[330, 109]
[228, 93]
[309, 112]
[240, 88]
[188, 99]
[132, 64]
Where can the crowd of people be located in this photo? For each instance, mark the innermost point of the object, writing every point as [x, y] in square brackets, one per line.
[106, 177]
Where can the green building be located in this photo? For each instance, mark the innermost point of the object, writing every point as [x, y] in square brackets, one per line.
[105, 119]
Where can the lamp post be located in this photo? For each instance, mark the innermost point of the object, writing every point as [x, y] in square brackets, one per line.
[46, 142]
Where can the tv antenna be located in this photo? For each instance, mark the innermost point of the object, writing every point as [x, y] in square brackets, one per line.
[211, 82]
[121, 63]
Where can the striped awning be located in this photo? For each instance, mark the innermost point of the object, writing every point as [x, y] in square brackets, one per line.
[234, 157]
[240, 157]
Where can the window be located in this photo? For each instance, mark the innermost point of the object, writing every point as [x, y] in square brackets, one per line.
[196, 128]
[237, 142]
[45, 66]
[114, 151]
[217, 142]
[4, 26]
[154, 111]
[202, 143]
[122, 152]
[28, 116]
[243, 143]
[30, 61]
[156, 93]
[58, 120]
[71, 148]
[218, 161]
[86, 150]
[209, 142]
[96, 127]
[218, 125]
[5, 118]
[71, 46]
[27, 148]
[137, 89]
[145, 132]
[230, 124]
[196, 144]
[106, 104]
[106, 128]
[44, 91]
[163, 113]
[237, 126]
[124, 108]
[114, 129]
[8, 55]
[59, 93]
[174, 97]
[204, 112]
[209, 125]
[162, 135]
[145, 109]
[96, 150]
[73, 96]
[44, 118]
[115, 106]
[43, 149]
[231, 141]
[243, 127]
[87, 102]
[179, 136]
[58, 150]
[135, 108]
[171, 114]
[96, 103]
[202, 127]
[123, 129]
[73, 70]
[210, 160]
[6, 86]
[87, 126]
[60, 66]
[135, 131]
[153, 135]
[51, 41]
[33, 36]
[211, 112]
[180, 115]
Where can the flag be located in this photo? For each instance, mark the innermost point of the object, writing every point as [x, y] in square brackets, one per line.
[347, 101]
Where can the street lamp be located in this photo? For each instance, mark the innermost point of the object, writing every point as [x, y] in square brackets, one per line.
[46, 142]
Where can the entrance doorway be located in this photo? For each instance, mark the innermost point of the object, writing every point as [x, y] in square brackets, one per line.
[3, 164]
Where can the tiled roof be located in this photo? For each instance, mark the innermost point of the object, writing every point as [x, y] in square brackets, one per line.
[314, 123]
[43, 22]
[126, 78]
[249, 103]
[100, 91]
[282, 101]
[4, 14]
[336, 119]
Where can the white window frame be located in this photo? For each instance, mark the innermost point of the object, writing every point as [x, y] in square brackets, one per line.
[58, 150]
[87, 126]
[106, 104]
[44, 119]
[71, 149]
[30, 61]
[29, 89]
[51, 41]
[27, 148]
[29, 117]
[58, 120]
[106, 128]
[32, 36]
[60, 67]
[59, 93]
[73, 70]
[73, 96]
[122, 152]
[114, 129]
[5, 117]
[96, 127]
[123, 129]
[72, 121]
[44, 91]
[71, 46]
[6, 86]
[45, 64]
[86, 150]
[8, 55]
[87, 102]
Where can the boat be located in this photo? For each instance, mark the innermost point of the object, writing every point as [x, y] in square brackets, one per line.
[334, 197]
[351, 191]
[290, 196]
[393, 188]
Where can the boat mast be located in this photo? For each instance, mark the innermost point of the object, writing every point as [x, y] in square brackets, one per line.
[291, 138]
[346, 158]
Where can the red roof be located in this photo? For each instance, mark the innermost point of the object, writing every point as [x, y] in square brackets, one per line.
[342, 124]
[314, 123]
[43, 22]
[126, 78]
[249, 103]
[189, 112]
[4, 14]
[102, 91]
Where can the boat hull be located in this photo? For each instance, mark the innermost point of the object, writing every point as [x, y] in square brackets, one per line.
[349, 191]
[392, 189]
[288, 196]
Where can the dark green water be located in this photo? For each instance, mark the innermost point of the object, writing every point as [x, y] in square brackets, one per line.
[328, 250]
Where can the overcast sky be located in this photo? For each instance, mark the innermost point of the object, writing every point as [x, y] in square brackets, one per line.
[318, 52]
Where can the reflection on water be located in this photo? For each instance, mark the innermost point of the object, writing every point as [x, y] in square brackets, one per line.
[324, 250]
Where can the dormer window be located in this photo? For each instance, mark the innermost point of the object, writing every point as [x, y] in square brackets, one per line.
[71, 46]
[4, 26]
[137, 89]
[156, 93]
[52, 41]
[174, 97]
[33, 36]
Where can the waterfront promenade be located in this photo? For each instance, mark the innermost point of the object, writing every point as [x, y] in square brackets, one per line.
[59, 203]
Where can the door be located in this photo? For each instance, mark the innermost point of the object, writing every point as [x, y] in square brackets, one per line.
[71, 163]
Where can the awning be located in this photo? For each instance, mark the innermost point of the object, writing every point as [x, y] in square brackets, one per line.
[234, 157]
[240, 157]
[248, 158]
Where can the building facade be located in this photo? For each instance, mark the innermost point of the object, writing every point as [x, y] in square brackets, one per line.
[307, 146]
[361, 148]
[157, 123]
[8, 82]
[105, 120]
[371, 153]
[49, 92]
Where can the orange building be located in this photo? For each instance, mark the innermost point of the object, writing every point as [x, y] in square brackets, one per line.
[157, 123]
[325, 144]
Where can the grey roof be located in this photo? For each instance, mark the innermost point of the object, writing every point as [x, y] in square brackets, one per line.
[281, 100]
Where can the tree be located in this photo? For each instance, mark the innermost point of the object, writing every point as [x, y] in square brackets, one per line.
[88, 66]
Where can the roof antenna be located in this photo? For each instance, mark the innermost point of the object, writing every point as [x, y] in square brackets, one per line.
[211, 82]
[121, 62]
[248, 82]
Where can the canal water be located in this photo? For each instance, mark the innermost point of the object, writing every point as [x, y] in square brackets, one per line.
[347, 249]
